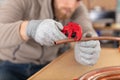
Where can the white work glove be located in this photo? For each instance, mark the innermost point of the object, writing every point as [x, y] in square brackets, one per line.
[45, 32]
[87, 52]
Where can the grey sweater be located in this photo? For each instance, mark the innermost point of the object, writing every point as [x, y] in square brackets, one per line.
[13, 13]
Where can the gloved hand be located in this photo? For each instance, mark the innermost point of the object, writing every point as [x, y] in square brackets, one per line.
[45, 32]
[87, 52]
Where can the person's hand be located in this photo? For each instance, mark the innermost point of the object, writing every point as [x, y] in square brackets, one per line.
[87, 52]
[45, 32]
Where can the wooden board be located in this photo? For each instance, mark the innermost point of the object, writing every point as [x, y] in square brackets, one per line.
[66, 68]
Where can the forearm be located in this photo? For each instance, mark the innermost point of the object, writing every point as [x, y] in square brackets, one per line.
[23, 33]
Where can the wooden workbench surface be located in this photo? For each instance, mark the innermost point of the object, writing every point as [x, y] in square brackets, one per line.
[66, 68]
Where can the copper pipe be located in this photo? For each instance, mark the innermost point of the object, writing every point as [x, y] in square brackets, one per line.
[87, 39]
[107, 73]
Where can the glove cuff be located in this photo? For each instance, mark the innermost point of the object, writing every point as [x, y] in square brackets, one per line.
[32, 27]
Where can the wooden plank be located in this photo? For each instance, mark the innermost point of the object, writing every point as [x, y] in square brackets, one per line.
[66, 68]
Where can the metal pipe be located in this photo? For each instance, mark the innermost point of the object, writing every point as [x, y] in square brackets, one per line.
[87, 39]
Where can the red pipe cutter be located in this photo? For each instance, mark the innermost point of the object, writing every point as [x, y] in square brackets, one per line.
[73, 30]
[74, 33]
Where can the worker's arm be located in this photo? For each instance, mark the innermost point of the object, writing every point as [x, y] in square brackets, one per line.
[11, 18]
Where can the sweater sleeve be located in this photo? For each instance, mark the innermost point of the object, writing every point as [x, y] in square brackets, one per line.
[81, 17]
[11, 14]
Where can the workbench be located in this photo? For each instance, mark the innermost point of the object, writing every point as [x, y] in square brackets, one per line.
[66, 68]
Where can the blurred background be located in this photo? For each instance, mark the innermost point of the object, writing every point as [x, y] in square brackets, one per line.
[105, 17]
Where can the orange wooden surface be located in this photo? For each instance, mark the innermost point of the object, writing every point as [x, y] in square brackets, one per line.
[66, 68]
